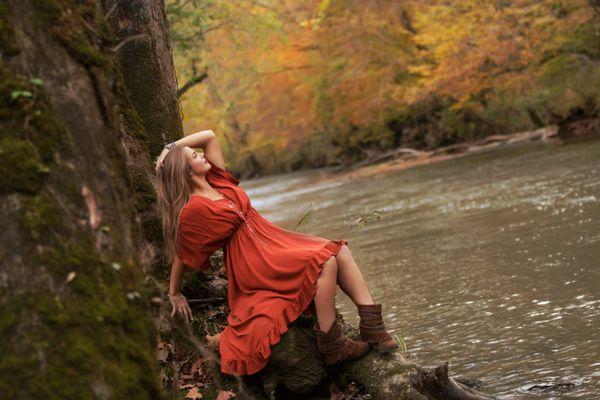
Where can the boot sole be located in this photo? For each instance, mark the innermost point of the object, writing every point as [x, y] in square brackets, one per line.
[360, 355]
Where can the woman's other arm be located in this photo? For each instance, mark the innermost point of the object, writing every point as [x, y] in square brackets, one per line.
[178, 301]
[177, 271]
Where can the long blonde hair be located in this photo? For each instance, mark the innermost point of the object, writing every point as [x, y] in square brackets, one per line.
[174, 187]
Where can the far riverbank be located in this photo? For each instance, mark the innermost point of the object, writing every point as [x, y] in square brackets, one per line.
[403, 158]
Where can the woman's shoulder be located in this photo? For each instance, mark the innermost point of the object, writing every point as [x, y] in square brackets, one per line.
[194, 207]
[219, 175]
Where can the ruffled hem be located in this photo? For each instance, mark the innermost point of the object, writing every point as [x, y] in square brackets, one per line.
[306, 295]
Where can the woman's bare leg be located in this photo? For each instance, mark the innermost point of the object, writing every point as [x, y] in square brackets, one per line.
[325, 296]
[350, 278]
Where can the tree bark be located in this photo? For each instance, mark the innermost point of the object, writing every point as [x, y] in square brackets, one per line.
[148, 94]
[82, 114]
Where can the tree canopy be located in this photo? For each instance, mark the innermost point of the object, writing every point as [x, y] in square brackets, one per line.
[289, 85]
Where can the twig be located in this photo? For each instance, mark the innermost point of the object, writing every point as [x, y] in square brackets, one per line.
[203, 301]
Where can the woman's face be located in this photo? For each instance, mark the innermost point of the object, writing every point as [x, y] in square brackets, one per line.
[196, 161]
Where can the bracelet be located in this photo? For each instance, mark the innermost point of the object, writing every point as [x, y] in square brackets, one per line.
[169, 146]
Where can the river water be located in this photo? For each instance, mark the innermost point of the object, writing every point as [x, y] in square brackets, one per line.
[489, 261]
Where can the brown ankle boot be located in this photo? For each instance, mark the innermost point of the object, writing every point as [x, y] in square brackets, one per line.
[372, 328]
[337, 347]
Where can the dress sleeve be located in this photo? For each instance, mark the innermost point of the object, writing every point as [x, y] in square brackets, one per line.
[196, 243]
[221, 174]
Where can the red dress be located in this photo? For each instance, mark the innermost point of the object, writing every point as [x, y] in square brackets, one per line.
[271, 272]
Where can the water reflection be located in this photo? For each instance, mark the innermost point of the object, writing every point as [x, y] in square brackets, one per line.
[489, 261]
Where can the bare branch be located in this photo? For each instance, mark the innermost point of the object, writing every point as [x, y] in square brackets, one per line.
[130, 38]
[191, 83]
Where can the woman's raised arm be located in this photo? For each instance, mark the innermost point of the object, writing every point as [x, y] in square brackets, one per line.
[205, 139]
[198, 139]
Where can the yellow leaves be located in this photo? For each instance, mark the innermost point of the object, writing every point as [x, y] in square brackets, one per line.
[275, 79]
[312, 23]
[474, 42]
[323, 6]
[422, 70]
[545, 20]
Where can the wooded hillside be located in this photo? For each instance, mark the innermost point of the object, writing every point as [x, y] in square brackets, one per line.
[293, 85]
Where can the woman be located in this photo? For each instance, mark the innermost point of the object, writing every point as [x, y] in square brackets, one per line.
[273, 274]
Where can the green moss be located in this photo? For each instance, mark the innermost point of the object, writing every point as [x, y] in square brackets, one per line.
[78, 256]
[74, 346]
[85, 336]
[29, 125]
[66, 21]
[144, 192]
[137, 179]
[7, 36]
[21, 169]
[39, 214]
[49, 135]
[131, 120]
[93, 332]
[152, 228]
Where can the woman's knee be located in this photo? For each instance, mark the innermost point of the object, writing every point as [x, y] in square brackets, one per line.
[344, 253]
[330, 266]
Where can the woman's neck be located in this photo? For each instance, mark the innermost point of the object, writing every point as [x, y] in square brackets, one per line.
[201, 186]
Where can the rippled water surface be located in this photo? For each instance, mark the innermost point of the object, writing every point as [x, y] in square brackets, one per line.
[490, 261]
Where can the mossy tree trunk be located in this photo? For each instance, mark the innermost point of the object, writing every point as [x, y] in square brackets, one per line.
[148, 96]
[76, 200]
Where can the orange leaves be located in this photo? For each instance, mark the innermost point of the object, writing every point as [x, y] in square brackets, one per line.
[225, 394]
[282, 74]
[193, 391]
[473, 47]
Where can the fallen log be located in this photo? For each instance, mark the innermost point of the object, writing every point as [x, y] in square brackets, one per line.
[436, 384]
[296, 370]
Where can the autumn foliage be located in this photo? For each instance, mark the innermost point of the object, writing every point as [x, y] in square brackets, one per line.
[291, 85]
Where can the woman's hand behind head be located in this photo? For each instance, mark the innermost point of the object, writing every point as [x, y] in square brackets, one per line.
[160, 159]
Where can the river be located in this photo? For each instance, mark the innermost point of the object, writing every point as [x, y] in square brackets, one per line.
[489, 261]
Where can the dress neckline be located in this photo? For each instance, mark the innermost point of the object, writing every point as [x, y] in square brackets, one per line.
[213, 200]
